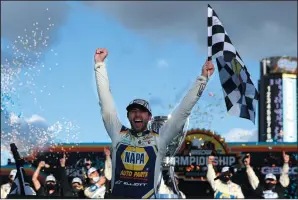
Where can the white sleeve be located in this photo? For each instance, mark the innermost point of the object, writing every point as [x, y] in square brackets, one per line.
[106, 102]
[108, 168]
[4, 193]
[92, 193]
[211, 176]
[284, 177]
[252, 178]
[182, 195]
[239, 194]
[178, 118]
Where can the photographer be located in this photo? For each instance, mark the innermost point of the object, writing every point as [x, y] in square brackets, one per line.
[271, 189]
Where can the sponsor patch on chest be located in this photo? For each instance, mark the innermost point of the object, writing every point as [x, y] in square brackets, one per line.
[134, 158]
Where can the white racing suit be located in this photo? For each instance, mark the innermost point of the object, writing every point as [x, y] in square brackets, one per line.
[95, 192]
[98, 192]
[108, 168]
[136, 159]
[222, 190]
[277, 193]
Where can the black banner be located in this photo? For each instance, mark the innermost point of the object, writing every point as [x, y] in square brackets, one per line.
[272, 116]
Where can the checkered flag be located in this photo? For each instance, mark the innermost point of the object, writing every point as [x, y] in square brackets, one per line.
[240, 93]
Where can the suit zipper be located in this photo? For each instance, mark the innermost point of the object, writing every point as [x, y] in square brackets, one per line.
[134, 156]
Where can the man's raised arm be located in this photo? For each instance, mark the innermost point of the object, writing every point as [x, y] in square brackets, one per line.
[178, 118]
[252, 177]
[106, 102]
[211, 174]
[284, 177]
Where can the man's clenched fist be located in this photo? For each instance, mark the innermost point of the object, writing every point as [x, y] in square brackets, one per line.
[247, 160]
[286, 157]
[107, 152]
[100, 55]
[41, 164]
[210, 159]
[208, 69]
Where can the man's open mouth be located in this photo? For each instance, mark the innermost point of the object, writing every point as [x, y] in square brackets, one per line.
[138, 121]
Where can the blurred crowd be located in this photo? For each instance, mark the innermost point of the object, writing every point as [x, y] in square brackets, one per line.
[97, 181]
[95, 184]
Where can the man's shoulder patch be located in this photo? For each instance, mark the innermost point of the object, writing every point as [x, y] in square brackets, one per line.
[124, 129]
[154, 133]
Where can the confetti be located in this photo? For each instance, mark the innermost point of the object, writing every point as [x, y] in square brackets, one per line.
[19, 71]
[25, 61]
[35, 137]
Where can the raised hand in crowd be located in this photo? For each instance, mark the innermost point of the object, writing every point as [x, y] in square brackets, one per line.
[210, 160]
[284, 177]
[108, 164]
[107, 152]
[41, 164]
[35, 180]
[286, 157]
[247, 160]
[252, 177]
[63, 160]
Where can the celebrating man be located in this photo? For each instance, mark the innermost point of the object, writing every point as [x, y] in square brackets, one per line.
[137, 152]
[222, 185]
[271, 189]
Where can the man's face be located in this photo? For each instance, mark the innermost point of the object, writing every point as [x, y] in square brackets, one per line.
[272, 181]
[50, 185]
[139, 119]
[226, 176]
[93, 174]
[87, 163]
[76, 186]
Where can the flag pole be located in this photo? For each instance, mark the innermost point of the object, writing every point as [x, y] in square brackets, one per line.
[208, 45]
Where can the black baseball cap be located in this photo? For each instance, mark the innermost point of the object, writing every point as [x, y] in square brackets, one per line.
[139, 103]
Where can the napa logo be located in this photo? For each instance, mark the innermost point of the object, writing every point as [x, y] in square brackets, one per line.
[134, 158]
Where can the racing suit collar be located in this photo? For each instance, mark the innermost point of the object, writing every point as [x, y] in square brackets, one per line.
[139, 134]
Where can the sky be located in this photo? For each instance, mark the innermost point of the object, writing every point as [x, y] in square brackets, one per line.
[156, 50]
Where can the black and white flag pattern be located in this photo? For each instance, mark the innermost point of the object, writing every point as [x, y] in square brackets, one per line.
[239, 91]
